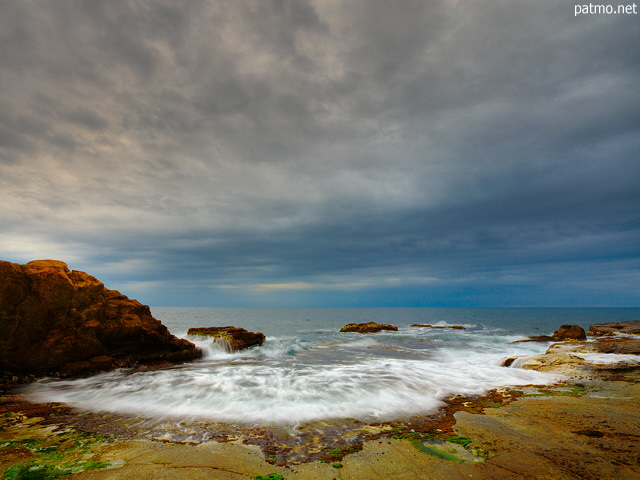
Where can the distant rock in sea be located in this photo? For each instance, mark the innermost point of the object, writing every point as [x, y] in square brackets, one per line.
[424, 325]
[61, 322]
[237, 338]
[370, 327]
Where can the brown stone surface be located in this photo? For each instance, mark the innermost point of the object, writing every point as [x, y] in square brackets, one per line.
[560, 436]
[600, 329]
[620, 345]
[370, 327]
[569, 332]
[237, 338]
[57, 321]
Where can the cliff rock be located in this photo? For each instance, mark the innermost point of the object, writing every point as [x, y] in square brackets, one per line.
[56, 321]
[237, 338]
[370, 327]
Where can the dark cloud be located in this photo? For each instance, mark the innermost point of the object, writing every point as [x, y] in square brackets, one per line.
[308, 152]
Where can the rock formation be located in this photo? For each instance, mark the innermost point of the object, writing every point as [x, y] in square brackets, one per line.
[370, 327]
[237, 338]
[599, 329]
[564, 332]
[569, 332]
[54, 321]
[566, 357]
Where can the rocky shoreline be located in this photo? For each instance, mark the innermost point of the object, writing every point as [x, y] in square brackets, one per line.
[594, 425]
[60, 322]
[592, 415]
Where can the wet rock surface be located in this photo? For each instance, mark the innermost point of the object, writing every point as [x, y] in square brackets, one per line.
[369, 327]
[237, 338]
[61, 322]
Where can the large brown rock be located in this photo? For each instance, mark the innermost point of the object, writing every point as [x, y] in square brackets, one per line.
[237, 338]
[601, 329]
[56, 321]
[370, 327]
[569, 332]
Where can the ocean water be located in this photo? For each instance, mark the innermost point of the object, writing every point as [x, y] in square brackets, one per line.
[307, 370]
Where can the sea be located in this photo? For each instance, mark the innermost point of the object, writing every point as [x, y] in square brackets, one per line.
[307, 370]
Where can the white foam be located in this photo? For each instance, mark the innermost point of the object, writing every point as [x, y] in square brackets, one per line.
[311, 376]
[258, 393]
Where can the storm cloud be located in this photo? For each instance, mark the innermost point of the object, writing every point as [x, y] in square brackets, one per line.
[325, 152]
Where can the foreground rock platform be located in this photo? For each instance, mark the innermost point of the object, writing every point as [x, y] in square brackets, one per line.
[593, 423]
[61, 322]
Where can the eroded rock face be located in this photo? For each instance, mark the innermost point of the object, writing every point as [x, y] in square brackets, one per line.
[601, 329]
[369, 327]
[56, 321]
[237, 338]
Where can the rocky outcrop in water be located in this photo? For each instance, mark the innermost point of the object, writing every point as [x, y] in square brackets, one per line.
[564, 332]
[600, 329]
[237, 338]
[56, 321]
[369, 327]
[569, 332]
[567, 357]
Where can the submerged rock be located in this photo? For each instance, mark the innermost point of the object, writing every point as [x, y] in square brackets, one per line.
[602, 329]
[237, 338]
[61, 322]
[369, 327]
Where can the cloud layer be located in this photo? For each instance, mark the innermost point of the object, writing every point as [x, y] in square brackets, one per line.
[325, 153]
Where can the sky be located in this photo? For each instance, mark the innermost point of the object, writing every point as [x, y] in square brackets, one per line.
[325, 153]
